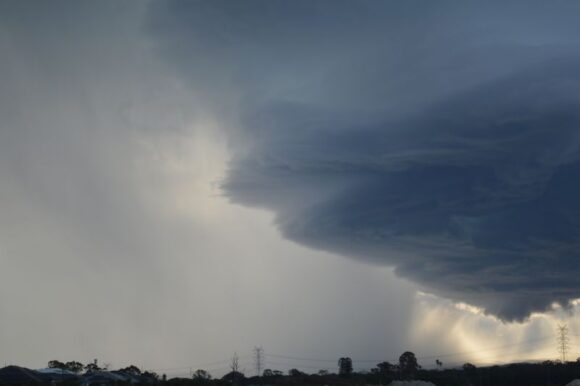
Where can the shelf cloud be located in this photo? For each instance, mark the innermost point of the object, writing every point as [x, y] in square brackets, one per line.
[474, 198]
[442, 141]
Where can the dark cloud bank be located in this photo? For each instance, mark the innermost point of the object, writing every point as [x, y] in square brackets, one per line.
[440, 139]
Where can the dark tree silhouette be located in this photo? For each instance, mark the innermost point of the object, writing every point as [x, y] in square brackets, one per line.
[295, 373]
[90, 367]
[133, 370]
[74, 366]
[54, 364]
[345, 366]
[384, 367]
[152, 375]
[408, 365]
[469, 368]
[234, 377]
[201, 374]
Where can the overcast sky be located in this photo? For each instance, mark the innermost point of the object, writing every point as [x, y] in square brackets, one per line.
[182, 180]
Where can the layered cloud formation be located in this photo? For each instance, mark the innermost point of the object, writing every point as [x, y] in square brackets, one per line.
[441, 140]
[475, 199]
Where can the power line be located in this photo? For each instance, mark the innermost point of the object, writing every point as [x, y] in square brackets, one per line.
[486, 349]
[260, 358]
[300, 358]
[302, 366]
[422, 357]
[197, 366]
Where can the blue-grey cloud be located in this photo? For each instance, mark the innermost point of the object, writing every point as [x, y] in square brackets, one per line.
[441, 140]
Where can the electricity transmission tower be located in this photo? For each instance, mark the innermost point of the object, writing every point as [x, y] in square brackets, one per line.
[235, 363]
[258, 359]
[563, 341]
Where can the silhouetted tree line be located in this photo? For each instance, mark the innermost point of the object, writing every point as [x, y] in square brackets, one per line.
[548, 373]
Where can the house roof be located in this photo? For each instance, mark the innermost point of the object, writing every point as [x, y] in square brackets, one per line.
[19, 375]
[52, 370]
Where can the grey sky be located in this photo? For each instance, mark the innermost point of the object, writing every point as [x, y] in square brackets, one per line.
[116, 241]
[126, 128]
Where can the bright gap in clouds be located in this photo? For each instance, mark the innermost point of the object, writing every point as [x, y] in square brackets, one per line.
[483, 339]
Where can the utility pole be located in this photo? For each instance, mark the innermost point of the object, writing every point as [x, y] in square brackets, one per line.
[563, 341]
[258, 359]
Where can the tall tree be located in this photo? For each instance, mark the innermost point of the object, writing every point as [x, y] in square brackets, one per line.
[90, 367]
[408, 364]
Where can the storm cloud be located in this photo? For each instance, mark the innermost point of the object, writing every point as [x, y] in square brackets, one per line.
[115, 243]
[442, 141]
